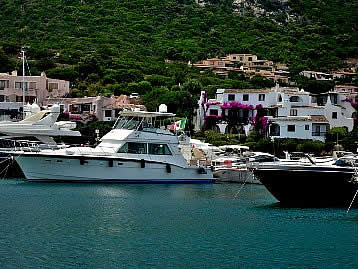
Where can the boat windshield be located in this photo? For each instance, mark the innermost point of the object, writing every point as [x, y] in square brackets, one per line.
[137, 123]
[129, 123]
[353, 161]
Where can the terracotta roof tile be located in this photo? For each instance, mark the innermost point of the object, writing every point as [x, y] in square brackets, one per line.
[295, 92]
[248, 90]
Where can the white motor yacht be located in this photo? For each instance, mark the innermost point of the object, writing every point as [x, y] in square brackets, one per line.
[136, 150]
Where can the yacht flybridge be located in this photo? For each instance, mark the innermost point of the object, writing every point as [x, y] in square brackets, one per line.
[137, 150]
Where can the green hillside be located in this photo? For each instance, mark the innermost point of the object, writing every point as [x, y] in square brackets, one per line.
[104, 45]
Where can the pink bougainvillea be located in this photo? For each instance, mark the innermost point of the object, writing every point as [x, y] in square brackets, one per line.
[212, 117]
[234, 104]
[205, 95]
[353, 103]
[212, 103]
[260, 122]
[265, 123]
[75, 117]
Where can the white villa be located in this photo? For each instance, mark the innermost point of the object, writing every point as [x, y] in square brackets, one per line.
[277, 112]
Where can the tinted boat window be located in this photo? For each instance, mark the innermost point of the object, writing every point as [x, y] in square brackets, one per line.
[341, 162]
[159, 149]
[134, 148]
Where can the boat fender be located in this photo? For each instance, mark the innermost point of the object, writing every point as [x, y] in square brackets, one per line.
[142, 163]
[168, 167]
[110, 163]
[201, 170]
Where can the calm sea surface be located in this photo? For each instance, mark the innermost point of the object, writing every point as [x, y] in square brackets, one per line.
[167, 226]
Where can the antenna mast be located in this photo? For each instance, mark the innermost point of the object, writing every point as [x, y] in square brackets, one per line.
[23, 81]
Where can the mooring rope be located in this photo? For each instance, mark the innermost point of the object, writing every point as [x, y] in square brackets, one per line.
[354, 179]
[5, 159]
[243, 184]
[6, 168]
[12, 159]
[352, 201]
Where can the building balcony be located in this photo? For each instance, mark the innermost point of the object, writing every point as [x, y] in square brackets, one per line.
[236, 120]
[319, 133]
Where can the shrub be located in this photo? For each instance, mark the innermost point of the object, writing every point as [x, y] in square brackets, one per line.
[315, 147]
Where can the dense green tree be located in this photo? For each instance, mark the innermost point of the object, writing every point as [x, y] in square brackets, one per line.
[318, 86]
[159, 80]
[193, 86]
[6, 64]
[88, 65]
[151, 99]
[261, 82]
[65, 73]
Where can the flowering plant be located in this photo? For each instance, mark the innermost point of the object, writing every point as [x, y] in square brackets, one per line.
[212, 103]
[262, 122]
[212, 117]
[75, 117]
[235, 104]
[353, 103]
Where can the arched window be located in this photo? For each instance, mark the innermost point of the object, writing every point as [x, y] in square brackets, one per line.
[275, 129]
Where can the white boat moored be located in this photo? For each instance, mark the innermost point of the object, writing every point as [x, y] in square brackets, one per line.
[136, 150]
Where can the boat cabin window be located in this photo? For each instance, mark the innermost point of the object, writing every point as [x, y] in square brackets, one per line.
[133, 148]
[159, 149]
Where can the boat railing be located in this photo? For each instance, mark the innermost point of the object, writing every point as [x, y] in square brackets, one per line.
[84, 151]
[13, 145]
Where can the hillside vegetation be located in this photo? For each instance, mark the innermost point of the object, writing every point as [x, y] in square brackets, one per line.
[112, 46]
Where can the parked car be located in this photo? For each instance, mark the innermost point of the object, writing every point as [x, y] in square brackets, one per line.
[134, 95]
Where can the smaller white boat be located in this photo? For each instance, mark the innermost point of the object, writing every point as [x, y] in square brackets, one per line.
[235, 168]
[38, 124]
[42, 124]
[235, 174]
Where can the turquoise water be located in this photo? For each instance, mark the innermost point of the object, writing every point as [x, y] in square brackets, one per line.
[167, 226]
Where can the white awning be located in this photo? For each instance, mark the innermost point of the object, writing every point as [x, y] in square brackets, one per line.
[145, 114]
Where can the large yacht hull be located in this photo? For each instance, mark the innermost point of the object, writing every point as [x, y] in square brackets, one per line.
[309, 186]
[57, 168]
